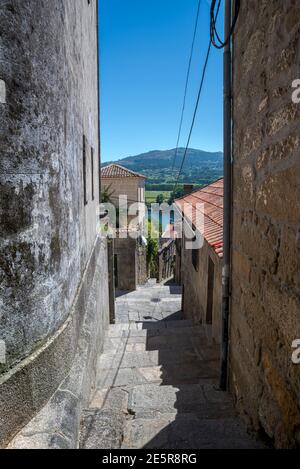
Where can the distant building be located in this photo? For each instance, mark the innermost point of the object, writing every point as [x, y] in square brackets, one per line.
[119, 181]
[200, 270]
[130, 266]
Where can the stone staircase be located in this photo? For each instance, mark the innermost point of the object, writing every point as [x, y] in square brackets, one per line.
[157, 383]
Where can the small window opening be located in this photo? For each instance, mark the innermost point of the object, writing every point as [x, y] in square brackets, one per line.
[92, 173]
[84, 171]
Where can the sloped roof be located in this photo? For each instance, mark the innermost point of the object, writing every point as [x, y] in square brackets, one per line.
[117, 171]
[207, 203]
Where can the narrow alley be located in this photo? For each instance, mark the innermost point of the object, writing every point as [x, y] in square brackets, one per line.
[143, 141]
[157, 381]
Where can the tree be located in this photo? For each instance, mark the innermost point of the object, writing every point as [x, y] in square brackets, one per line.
[106, 194]
[179, 192]
[160, 199]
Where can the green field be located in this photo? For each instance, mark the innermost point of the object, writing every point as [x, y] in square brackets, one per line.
[151, 196]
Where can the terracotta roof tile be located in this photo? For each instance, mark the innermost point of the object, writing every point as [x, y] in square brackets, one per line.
[206, 206]
[116, 171]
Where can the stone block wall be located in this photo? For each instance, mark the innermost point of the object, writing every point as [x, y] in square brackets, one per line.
[49, 197]
[141, 264]
[265, 311]
[125, 256]
[166, 260]
[133, 187]
[131, 269]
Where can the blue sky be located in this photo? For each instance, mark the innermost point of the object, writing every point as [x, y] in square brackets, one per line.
[144, 52]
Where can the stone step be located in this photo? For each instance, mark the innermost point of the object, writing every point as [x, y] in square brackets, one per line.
[166, 331]
[202, 399]
[187, 431]
[101, 429]
[204, 420]
[196, 373]
[140, 295]
[133, 352]
[153, 328]
[123, 359]
[140, 325]
[165, 357]
[155, 292]
[143, 337]
[149, 302]
[160, 338]
[177, 340]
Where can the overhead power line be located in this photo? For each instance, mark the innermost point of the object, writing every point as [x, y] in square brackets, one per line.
[196, 106]
[194, 115]
[186, 84]
[214, 37]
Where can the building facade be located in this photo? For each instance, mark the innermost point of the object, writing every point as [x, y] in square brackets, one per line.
[130, 256]
[200, 269]
[265, 307]
[53, 267]
[121, 181]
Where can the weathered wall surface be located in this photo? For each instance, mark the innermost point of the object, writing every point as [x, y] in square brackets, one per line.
[133, 187]
[166, 260]
[177, 268]
[125, 252]
[48, 67]
[71, 355]
[141, 264]
[195, 285]
[131, 263]
[265, 316]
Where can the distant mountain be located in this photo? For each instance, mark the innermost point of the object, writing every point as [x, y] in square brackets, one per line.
[199, 167]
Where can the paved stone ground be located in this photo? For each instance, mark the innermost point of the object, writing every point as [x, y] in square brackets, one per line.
[149, 303]
[157, 382]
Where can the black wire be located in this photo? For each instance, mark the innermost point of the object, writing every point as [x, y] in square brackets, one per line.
[194, 116]
[186, 85]
[215, 38]
[197, 103]
[213, 21]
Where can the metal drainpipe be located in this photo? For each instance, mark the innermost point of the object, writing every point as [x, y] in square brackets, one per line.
[227, 198]
[98, 84]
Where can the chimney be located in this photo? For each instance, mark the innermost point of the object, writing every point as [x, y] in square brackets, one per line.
[188, 188]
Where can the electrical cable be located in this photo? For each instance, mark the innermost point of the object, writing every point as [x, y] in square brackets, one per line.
[194, 116]
[186, 86]
[214, 35]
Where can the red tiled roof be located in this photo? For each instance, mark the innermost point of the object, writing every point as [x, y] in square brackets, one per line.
[117, 171]
[209, 211]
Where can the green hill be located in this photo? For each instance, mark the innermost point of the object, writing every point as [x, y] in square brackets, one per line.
[200, 167]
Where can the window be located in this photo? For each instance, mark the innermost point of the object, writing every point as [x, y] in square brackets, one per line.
[195, 254]
[116, 272]
[195, 259]
[92, 173]
[84, 170]
[210, 290]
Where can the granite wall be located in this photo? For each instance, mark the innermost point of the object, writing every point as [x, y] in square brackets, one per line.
[195, 282]
[265, 311]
